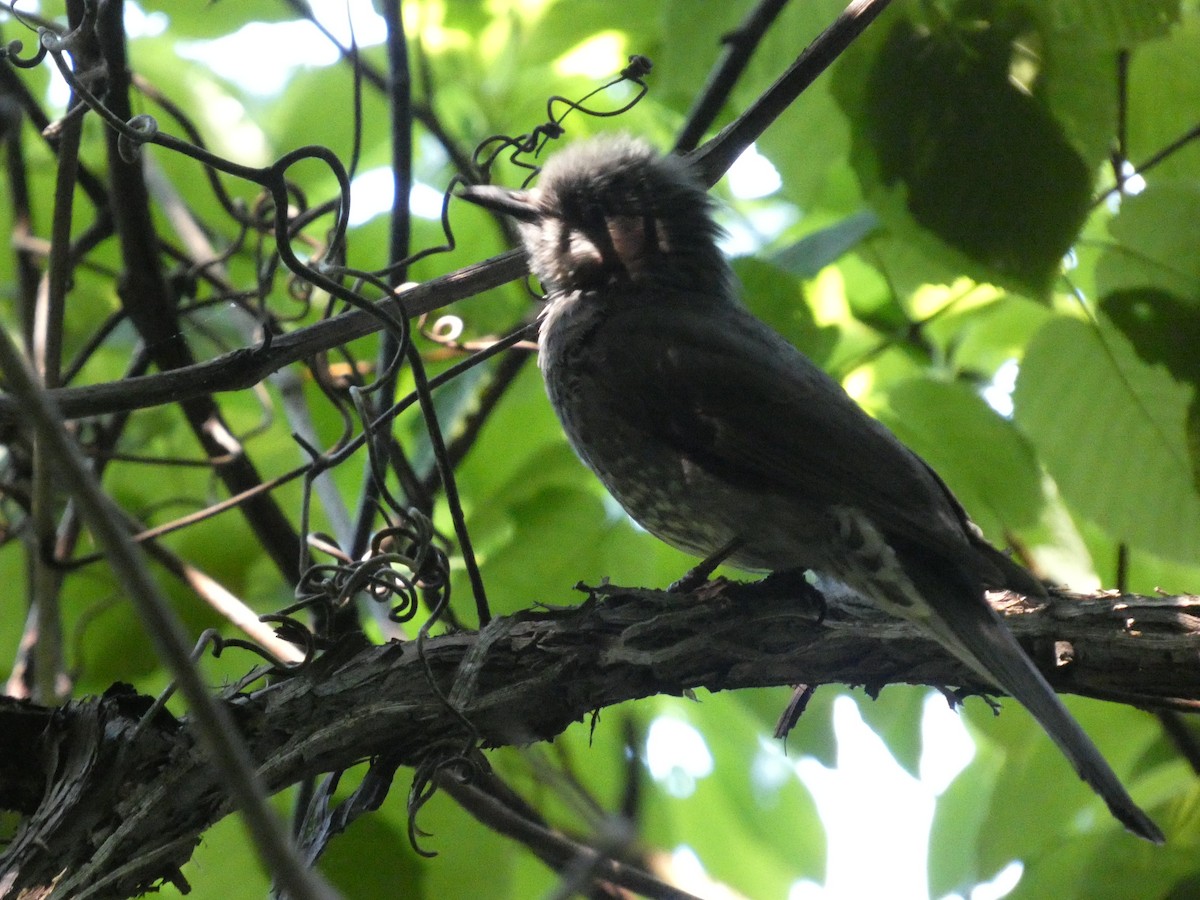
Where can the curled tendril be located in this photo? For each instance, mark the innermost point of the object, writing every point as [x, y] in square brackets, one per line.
[634, 72]
[400, 563]
[300, 290]
[294, 632]
[12, 52]
[142, 128]
[445, 330]
[52, 42]
[412, 535]
[463, 766]
[288, 629]
[377, 578]
[490, 149]
[533, 143]
[317, 588]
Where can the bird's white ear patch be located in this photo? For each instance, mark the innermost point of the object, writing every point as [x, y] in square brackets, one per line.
[581, 255]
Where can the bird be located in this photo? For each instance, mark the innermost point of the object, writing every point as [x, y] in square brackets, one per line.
[720, 438]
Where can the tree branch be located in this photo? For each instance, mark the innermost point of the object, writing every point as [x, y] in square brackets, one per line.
[122, 809]
[246, 367]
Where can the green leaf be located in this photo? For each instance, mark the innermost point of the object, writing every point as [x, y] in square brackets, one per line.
[497, 463]
[770, 833]
[1077, 82]
[1163, 99]
[980, 455]
[982, 338]
[895, 715]
[809, 255]
[1112, 431]
[974, 153]
[223, 866]
[1038, 800]
[1116, 23]
[959, 816]
[1098, 858]
[213, 18]
[1164, 330]
[1147, 254]
[777, 297]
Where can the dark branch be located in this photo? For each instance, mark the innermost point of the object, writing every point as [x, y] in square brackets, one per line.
[714, 158]
[246, 367]
[126, 809]
[739, 47]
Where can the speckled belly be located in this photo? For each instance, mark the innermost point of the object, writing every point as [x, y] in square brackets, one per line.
[680, 502]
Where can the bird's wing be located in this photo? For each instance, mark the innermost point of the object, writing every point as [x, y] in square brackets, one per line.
[739, 401]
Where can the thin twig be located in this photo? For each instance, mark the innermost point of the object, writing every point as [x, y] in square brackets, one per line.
[245, 367]
[553, 848]
[739, 47]
[716, 156]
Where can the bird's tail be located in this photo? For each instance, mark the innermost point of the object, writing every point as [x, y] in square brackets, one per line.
[978, 636]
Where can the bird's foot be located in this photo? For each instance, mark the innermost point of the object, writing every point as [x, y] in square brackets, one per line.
[698, 575]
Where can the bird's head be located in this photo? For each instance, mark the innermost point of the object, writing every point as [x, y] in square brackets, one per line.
[613, 213]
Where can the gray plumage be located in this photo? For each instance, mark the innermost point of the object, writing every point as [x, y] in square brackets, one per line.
[709, 428]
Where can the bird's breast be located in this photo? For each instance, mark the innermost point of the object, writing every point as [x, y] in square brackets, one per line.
[669, 493]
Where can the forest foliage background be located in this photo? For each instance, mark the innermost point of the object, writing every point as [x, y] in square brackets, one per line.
[984, 220]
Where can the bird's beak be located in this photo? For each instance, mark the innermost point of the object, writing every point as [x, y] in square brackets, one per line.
[519, 205]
